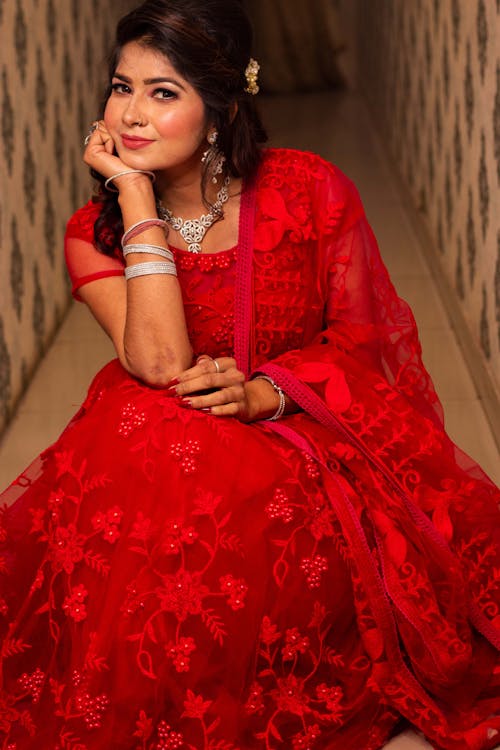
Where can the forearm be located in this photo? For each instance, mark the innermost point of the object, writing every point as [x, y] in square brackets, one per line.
[155, 340]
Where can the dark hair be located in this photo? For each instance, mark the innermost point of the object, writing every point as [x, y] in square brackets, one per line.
[209, 42]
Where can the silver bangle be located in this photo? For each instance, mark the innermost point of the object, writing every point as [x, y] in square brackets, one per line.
[141, 226]
[150, 249]
[127, 171]
[147, 269]
[282, 404]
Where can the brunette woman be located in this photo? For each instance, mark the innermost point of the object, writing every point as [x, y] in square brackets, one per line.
[255, 532]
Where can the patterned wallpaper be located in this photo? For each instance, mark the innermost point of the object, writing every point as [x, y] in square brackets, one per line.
[52, 56]
[431, 71]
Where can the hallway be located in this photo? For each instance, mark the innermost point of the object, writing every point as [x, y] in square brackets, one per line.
[337, 126]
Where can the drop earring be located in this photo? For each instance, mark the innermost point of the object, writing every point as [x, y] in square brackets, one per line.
[213, 157]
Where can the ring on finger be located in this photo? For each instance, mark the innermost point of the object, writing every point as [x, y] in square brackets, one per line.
[91, 132]
[217, 366]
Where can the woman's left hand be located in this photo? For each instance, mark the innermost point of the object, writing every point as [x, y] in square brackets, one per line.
[227, 394]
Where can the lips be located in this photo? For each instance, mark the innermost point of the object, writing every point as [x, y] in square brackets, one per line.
[133, 142]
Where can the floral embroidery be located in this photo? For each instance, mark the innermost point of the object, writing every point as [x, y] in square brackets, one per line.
[108, 523]
[186, 454]
[131, 420]
[74, 605]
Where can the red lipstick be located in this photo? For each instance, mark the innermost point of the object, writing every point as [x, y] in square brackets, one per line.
[133, 142]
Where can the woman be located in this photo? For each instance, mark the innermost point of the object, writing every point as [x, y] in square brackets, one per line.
[255, 532]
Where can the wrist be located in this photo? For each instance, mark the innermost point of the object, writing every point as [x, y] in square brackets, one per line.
[133, 187]
[263, 399]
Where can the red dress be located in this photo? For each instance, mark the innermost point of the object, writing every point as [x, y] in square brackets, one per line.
[172, 579]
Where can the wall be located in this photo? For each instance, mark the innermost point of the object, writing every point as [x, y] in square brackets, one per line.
[51, 74]
[431, 72]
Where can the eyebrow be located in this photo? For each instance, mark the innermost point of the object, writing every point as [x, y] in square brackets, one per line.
[148, 81]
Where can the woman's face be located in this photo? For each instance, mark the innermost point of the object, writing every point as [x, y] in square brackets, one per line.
[155, 117]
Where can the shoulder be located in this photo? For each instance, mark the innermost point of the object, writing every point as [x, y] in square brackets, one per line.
[309, 185]
[303, 165]
[81, 224]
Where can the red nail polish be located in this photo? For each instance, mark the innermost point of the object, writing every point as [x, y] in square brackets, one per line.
[186, 402]
[206, 409]
[172, 383]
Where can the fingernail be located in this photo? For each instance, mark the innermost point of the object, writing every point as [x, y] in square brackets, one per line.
[172, 383]
[206, 409]
[186, 402]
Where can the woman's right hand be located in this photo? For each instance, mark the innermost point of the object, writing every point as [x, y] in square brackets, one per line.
[100, 155]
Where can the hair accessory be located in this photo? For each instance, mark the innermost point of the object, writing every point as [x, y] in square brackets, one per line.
[89, 135]
[150, 249]
[252, 76]
[141, 226]
[193, 231]
[127, 171]
[213, 157]
[282, 404]
[147, 269]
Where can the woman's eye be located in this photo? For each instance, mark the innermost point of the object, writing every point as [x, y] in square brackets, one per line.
[164, 94]
[120, 88]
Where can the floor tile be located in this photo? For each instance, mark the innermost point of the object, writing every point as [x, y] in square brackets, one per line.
[408, 741]
[468, 426]
[420, 293]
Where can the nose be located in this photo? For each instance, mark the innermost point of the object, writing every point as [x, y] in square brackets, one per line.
[132, 114]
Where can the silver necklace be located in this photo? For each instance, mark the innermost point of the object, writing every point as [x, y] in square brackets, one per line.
[193, 231]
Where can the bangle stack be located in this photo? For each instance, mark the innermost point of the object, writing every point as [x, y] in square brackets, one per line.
[282, 404]
[150, 267]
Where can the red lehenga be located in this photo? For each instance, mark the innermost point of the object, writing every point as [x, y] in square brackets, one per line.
[172, 579]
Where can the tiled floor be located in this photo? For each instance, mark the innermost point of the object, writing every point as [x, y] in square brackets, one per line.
[337, 127]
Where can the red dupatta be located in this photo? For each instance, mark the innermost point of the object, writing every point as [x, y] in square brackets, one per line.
[417, 501]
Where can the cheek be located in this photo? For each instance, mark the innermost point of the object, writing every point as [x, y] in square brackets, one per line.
[110, 115]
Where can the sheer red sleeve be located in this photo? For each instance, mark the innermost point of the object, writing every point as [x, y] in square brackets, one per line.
[84, 261]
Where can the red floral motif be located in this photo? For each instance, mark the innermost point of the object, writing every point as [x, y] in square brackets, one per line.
[313, 568]
[132, 419]
[280, 506]
[176, 535]
[306, 739]
[108, 523]
[168, 738]
[180, 652]
[92, 708]
[320, 522]
[269, 632]
[186, 454]
[182, 594]
[141, 528]
[33, 683]
[332, 696]
[290, 696]
[66, 548]
[74, 605]
[55, 503]
[235, 589]
[195, 707]
[295, 644]
[255, 702]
